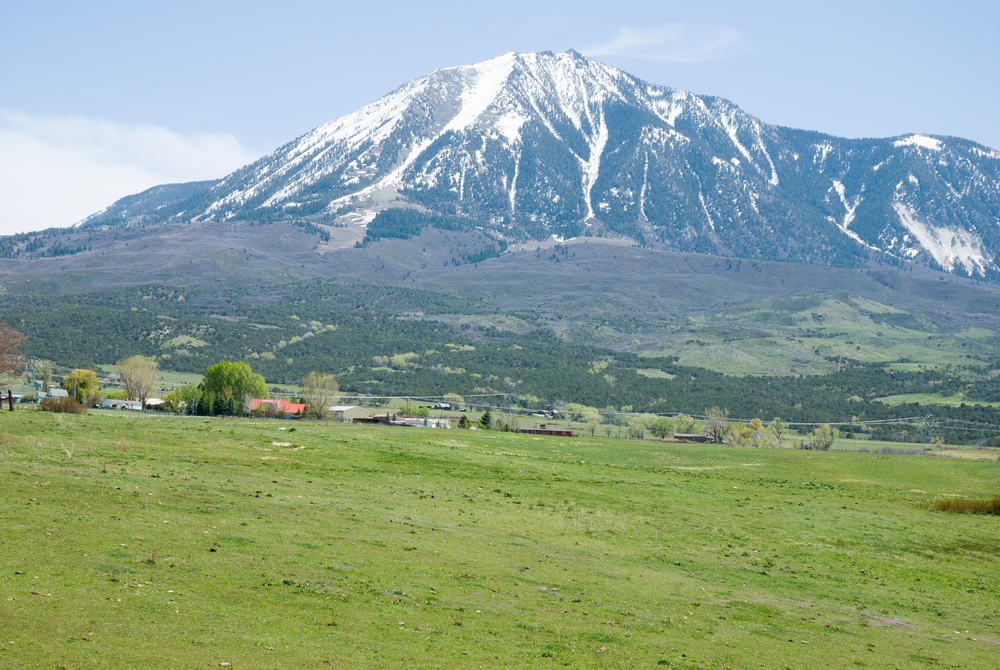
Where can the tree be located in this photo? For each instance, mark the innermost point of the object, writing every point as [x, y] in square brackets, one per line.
[716, 424]
[821, 438]
[46, 376]
[226, 380]
[12, 361]
[189, 396]
[486, 420]
[779, 428]
[463, 421]
[687, 424]
[320, 392]
[662, 428]
[754, 434]
[636, 430]
[139, 377]
[82, 385]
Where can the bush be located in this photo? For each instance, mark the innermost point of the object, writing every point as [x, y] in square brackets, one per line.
[965, 506]
[62, 406]
[820, 439]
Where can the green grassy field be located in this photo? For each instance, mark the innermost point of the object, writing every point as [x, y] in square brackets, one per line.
[145, 541]
[955, 400]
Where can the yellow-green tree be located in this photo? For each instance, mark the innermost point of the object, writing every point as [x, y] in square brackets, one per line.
[320, 392]
[83, 385]
[716, 424]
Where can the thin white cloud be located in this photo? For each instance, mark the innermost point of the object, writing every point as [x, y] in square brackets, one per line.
[57, 170]
[671, 42]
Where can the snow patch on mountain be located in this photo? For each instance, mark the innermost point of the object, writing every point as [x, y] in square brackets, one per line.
[774, 172]
[991, 153]
[920, 141]
[947, 246]
[593, 165]
[486, 80]
[509, 125]
[849, 208]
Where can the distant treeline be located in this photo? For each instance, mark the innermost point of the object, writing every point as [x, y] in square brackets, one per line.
[402, 224]
[353, 331]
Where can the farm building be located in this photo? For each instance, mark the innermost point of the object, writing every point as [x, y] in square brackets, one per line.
[422, 423]
[692, 437]
[548, 430]
[392, 420]
[273, 408]
[54, 393]
[122, 404]
[348, 413]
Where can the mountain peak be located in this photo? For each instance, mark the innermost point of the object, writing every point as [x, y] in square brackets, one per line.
[533, 144]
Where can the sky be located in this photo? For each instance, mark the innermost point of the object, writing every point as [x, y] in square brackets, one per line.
[102, 99]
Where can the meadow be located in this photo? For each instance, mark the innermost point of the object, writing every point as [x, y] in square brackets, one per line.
[157, 541]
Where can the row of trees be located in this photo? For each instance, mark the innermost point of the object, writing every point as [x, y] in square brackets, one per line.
[226, 389]
[715, 424]
[756, 434]
[139, 377]
[229, 389]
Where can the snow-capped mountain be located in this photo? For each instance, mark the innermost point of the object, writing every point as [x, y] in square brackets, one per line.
[530, 145]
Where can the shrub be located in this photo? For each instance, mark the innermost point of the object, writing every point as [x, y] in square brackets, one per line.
[62, 406]
[820, 439]
[966, 506]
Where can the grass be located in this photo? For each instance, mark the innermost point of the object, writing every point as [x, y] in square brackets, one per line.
[287, 545]
[964, 506]
[183, 341]
[954, 400]
[762, 338]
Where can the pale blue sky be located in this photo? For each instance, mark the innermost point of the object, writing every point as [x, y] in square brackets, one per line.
[102, 99]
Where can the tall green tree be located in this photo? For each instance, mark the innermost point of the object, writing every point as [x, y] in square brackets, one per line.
[227, 380]
[486, 420]
[189, 395]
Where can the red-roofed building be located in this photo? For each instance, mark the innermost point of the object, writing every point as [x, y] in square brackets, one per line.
[276, 407]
